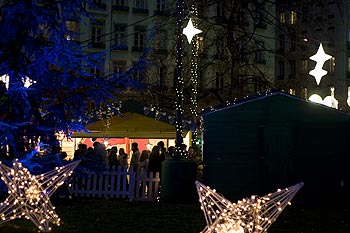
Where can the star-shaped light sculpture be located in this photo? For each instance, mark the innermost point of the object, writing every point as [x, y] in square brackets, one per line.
[190, 31]
[29, 195]
[320, 58]
[250, 215]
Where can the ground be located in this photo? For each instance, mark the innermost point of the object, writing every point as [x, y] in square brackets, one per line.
[90, 215]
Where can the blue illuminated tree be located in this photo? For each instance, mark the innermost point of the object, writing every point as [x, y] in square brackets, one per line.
[35, 48]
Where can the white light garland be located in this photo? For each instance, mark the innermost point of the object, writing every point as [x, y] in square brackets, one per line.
[29, 195]
[320, 57]
[253, 215]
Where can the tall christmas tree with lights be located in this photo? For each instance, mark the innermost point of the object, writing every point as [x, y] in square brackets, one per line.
[45, 81]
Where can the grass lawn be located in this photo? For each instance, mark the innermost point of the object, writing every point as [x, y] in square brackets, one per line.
[91, 215]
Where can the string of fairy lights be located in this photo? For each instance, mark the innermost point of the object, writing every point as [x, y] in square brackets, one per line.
[194, 79]
[249, 215]
[29, 195]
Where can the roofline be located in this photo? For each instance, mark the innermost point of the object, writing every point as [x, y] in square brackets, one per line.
[262, 96]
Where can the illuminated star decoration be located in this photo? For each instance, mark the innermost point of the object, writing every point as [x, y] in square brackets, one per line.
[190, 31]
[250, 215]
[320, 58]
[29, 195]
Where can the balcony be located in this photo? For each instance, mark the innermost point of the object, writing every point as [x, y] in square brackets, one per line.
[99, 6]
[120, 8]
[140, 11]
[137, 48]
[99, 45]
[161, 13]
[122, 47]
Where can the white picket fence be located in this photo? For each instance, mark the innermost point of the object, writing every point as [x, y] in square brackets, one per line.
[115, 183]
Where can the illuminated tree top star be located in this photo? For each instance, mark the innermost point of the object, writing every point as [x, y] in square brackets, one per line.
[190, 31]
[320, 58]
[29, 195]
[250, 215]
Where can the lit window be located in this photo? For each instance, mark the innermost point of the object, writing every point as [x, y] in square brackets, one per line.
[73, 30]
[291, 91]
[293, 17]
[304, 92]
[282, 18]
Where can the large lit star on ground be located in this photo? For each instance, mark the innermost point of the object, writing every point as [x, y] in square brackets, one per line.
[320, 58]
[250, 215]
[29, 195]
[190, 31]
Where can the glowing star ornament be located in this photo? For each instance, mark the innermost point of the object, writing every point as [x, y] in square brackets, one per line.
[320, 58]
[190, 31]
[250, 215]
[29, 195]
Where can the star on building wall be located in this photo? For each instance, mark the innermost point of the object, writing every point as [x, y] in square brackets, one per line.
[190, 31]
[250, 215]
[320, 58]
[29, 195]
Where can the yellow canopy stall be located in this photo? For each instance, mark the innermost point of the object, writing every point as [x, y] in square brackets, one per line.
[130, 125]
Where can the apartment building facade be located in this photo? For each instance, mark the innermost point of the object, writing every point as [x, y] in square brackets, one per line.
[302, 26]
[226, 70]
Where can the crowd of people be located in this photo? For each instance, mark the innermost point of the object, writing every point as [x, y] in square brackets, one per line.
[143, 162]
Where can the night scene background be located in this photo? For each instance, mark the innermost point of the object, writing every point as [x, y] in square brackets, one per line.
[235, 107]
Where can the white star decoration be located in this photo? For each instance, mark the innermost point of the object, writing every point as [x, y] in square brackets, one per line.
[320, 58]
[250, 215]
[29, 195]
[190, 31]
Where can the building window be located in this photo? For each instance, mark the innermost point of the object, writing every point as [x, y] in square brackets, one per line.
[119, 37]
[293, 17]
[348, 67]
[119, 68]
[219, 80]
[97, 34]
[282, 44]
[139, 38]
[101, 4]
[291, 91]
[140, 6]
[293, 42]
[120, 5]
[304, 93]
[162, 74]
[121, 2]
[332, 65]
[73, 30]
[282, 18]
[96, 71]
[160, 5]
[304, 66]
[259, 16]
[304, 13]
[259, 52]
[281, 70]
[292, 69]
[220, 12]
[160, 41]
